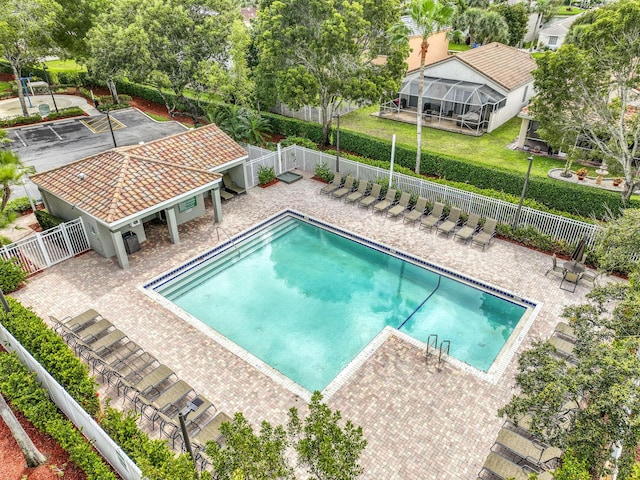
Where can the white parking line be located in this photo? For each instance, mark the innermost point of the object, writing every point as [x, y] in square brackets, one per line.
[54, 132]
[20, 138]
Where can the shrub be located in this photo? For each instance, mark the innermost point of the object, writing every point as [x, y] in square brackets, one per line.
[48, 348]
[46, 220]
[11, 275]
[21, 388]
[292, 127]
[323, 172]
[266, 174]
[18, 205]
[12, 122]
[66, 112]
[152, 456]
[300, 141]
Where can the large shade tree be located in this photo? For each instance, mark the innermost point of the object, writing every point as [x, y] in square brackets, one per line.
[585, 90]
[430, 16]
[517, 18]
[26, 28]
[325, 52]
[179, 46]
[76, 19]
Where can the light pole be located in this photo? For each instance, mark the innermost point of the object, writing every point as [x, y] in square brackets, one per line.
[524, 191]
[46, 77]
[192, 406]
[337, 142]
[113, 137]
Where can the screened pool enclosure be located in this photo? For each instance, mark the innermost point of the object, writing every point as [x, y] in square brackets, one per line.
[450, 103]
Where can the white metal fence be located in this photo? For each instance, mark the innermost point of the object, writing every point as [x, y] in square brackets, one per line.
[556, 226]
[45, 249]
[109, 449]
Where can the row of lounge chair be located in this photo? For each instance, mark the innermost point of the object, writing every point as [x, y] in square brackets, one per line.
[516, 452]
[471, 230]
[154, 389]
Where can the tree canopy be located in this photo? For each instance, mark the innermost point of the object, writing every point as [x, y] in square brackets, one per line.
[588, 405]
[172, 44]
[26, 29]
[516, 17]
[323, 53]
[585, 90]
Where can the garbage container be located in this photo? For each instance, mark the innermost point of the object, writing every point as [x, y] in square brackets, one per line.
[44, 110]
[131, 243]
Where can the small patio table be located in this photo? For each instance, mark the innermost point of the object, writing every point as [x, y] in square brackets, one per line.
[573, 266]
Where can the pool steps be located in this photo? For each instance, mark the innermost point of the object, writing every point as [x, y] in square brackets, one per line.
[235, 252]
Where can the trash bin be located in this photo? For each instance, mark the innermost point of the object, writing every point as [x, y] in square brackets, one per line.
[131, 243]
[44, 110]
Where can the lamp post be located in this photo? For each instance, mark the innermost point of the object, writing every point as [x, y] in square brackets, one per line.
[337, 142]
[192, 406]
[113, 137]
[46, 77]
[524, 191]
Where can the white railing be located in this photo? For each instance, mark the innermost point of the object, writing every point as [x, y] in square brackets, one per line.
[108, 448]
[45, 249]
[556, 226]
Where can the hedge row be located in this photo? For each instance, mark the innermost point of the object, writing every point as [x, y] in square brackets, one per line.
[560, 196]
[563, 196]
[154, 457]
[12, 122]
[48, 348]
[20, 386]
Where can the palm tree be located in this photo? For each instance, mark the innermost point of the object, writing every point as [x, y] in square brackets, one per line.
[429, 16]
[492, 27]
[11, 172]
[469, 21]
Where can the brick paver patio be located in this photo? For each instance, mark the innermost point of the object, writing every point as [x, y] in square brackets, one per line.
[420, 422]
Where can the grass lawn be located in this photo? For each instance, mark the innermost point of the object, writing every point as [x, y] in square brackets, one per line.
[489, 149]
[157, 118]
[65, 66]
[565, 10]
[459, 47]
[4, 86]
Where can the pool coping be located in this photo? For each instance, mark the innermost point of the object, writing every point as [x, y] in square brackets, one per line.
[493, 375]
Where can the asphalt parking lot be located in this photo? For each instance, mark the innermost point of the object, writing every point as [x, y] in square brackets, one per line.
[51, 145]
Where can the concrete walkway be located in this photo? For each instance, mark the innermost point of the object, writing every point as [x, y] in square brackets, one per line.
[11, 108]
[420, 422]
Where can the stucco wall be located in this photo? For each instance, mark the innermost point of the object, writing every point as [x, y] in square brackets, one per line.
[195, 212]
[512, 107]
[438, 49]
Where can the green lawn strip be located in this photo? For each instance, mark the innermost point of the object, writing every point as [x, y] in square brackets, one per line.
[488, 149]
[458, 47]
[157, 118]
[5, 86]
[65, 66]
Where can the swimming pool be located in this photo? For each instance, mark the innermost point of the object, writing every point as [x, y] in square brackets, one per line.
[305, 299]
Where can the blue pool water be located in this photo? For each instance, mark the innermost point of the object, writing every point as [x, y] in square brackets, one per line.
[306, 301]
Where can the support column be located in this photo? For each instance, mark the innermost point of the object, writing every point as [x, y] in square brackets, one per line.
[121, 253]
[172, 224]
[524, 127]
[217, 204]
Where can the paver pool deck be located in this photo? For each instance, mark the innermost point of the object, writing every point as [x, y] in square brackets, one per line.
[420, 422]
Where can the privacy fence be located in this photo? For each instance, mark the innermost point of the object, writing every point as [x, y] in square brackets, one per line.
[45, 249]
[556, 226]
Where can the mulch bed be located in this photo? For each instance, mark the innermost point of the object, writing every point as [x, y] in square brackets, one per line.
[13, 464]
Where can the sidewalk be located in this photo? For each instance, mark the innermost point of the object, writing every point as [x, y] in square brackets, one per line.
[11, 107]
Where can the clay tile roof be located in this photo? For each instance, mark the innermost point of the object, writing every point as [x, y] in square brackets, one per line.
[505, 65]
[122, 182]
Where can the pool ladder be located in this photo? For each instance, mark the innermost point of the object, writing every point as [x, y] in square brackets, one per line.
[432, 342]
[220, 229]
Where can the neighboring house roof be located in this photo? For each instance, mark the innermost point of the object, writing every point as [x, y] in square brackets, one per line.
[505, 65]
[559, 28]
[121, 182]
